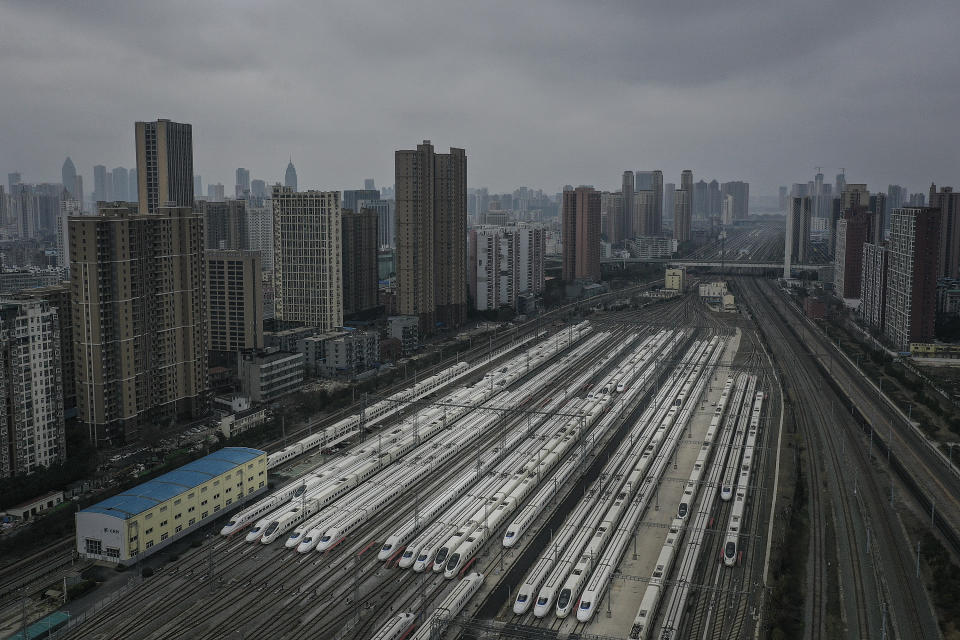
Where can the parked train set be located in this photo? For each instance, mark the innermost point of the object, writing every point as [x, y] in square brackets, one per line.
[506, 487]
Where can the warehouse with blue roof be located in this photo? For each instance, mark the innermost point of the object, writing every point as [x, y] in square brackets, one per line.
[142, 520]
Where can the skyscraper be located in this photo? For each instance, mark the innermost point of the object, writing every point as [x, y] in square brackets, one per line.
[69, 179]
[431, 195]
[100, 183]
[290, 177]
[242, 187]
[701, 200]
[260, 232]
[307, 258]
[626, 228]
[683, 208]
[164, 164]
[505, 263]
[368, 184]
[120, 184]
[197, 186]
[139, 317]
[580, 227]
[873, 285]
[948, 202]
[386, 219]
[13, 179]
[840, 184]
[913, 256]
[359, 242]
[352, 196]
[669, 196]
[31, 424]
[258, 189]
[215, 192]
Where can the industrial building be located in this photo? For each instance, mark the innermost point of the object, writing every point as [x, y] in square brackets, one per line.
[140, 521]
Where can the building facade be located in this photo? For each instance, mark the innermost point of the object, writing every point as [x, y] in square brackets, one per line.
[359, 242]
[853, 230]
[307, 258]
[234, 301]
[581, 234]
[873, 286]
[164, 164]
[139, 522]
[431, 197]
[225, 224]
[505, 263]
[948, 202]
[139, 319]
[268, 375]
[31, 415]
[58, 297]
[913, 261]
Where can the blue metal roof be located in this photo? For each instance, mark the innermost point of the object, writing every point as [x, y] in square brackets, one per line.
[162, 488]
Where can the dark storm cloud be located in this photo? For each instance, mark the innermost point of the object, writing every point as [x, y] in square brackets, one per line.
[539, 93]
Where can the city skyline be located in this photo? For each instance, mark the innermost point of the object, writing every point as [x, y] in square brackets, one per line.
[686, 113]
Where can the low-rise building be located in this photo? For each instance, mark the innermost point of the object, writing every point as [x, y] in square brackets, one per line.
[37, 506]
[314, 350]
[232, 424]
[406, 329]
[675, 278]
[287, 339]
[713, 292]
[140, 521]
[267, 375]
[649, 247]
[353, 353]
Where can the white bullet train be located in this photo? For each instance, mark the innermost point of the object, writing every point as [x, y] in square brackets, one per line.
[396, 628]
[611, 556]
[452, 605]
[731, 554]
[689, 530]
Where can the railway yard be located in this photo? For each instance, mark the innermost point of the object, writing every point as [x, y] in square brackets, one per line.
[614, 477]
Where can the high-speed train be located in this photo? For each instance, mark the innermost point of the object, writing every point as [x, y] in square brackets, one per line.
[731, 544]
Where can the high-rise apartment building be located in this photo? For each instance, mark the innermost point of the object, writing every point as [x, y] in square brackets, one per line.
[431, 197]
[644, 211]
[669, 198]
[701, 200]
[853, 230]
[652, 181]
[132, 185]
[67, 208]
[873, 285]
[853, 195]
[878, 206]
[741, 197]
[627, 226]
[798, 229]
[260, 233]
[120, 179]
[14, 179]
[258, 189]
[580, 227]
[225, 224]
[308, 271]
[58, 297]
[683, 208]
[234, 301]
[139, 319]
[242, 188]
[948, 202]
[100, 184]
[352, 198]
[913, 255]
[197, 186]
[290, 177]
[164, 164]
[506, 262]
[31, 414]
[359, 242]
[611, 215]
[386, 219]
[370, 185]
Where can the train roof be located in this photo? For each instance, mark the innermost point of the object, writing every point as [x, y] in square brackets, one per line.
[191, 475]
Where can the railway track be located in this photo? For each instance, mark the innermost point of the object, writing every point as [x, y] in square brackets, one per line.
[268, 584]
[843, 448]
[35, 567]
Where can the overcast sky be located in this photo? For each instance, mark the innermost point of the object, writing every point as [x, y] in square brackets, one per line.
[538, 93]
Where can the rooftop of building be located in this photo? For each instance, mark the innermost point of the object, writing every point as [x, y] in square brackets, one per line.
[191, 475]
